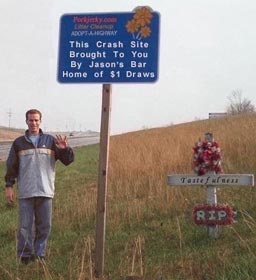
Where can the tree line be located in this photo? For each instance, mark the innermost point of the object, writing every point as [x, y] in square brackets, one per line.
[239, 104]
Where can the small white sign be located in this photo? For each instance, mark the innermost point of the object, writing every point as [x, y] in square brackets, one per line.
[217, 115]
[211, 180]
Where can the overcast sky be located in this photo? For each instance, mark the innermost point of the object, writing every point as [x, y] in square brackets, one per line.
[207, 50]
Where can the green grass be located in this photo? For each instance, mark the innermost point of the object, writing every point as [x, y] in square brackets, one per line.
[143, 237]
[72, 225]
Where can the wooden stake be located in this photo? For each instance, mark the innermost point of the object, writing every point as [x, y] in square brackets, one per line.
[102, 179]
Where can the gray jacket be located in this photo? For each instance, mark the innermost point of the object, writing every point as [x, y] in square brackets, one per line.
[34, 167]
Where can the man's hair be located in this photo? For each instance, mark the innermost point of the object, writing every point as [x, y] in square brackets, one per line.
[33, 111]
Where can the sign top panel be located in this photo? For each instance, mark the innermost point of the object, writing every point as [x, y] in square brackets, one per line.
[109, 47]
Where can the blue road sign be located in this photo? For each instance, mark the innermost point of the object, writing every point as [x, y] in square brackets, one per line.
[109, 48]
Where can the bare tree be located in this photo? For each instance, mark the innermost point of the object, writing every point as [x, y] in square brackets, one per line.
[238, 104]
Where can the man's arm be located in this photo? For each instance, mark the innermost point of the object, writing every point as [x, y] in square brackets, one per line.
[12, 167]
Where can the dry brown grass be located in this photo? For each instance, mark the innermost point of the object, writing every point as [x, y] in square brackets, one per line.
[138, 196]
[141, 161]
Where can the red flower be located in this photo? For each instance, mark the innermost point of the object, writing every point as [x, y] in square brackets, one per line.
[207, 157]
[228, 219]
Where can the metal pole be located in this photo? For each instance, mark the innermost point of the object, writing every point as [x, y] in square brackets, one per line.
[102, 179]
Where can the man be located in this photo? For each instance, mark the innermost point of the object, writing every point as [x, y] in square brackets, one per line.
[31, 162]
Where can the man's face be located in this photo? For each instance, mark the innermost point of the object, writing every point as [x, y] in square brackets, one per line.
[33, 121]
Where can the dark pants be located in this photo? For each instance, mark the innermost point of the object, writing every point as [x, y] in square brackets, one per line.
[35, 215]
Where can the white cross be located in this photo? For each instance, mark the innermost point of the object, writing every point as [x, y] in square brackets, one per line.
[211, 180]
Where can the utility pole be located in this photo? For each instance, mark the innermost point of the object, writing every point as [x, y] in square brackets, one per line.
[9, 117]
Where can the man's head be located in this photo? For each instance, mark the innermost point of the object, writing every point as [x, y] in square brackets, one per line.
[33, 120]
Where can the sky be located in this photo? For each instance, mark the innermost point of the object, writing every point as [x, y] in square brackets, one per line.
[207, 50]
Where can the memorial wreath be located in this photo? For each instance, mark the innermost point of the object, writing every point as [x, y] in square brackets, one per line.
[207, 157]
[211, 216]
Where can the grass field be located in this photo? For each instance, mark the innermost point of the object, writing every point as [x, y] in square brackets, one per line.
[150, 230]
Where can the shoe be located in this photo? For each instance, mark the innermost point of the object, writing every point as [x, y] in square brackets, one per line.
[32, 258]
[25, 260]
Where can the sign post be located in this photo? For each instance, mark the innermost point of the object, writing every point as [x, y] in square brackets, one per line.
[102, 179]
[108, 48]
